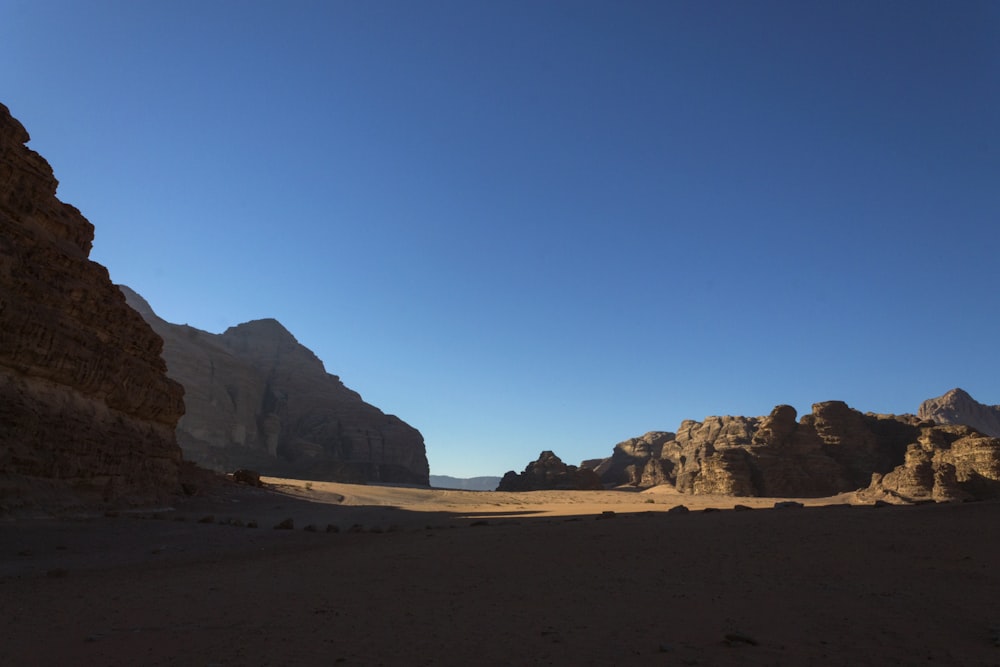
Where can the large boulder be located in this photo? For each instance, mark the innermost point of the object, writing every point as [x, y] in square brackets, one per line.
[257, 398]
[85, 401]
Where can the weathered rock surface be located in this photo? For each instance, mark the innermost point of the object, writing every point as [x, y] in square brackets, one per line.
[550, 473]
[84, 395]
[832, 450]
[946, 463]
[258, 399]
[958, 407]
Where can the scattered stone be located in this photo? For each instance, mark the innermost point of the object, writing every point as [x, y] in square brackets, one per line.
[332, 528]
[678, 509]
[742, 508]
[356, 528]
[251, 524]
[737, 638]
[787, 505]
[710, 509]
[607, 514]
[287, 524]
[248, 477]
[207, 519]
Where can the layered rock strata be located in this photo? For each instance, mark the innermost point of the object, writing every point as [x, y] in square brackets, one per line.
[549, 472]
[256, 398]
[84, 395]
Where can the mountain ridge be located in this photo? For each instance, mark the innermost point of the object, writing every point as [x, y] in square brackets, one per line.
[258, 398]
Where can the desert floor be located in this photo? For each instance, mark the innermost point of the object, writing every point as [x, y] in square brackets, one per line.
[433, 577]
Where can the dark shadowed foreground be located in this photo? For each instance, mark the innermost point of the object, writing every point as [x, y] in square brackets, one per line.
[838, 585]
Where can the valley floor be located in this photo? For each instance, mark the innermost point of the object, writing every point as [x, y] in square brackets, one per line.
[431, 577]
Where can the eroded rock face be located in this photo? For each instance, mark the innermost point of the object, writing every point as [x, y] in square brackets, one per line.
[84, 396]
[550, 473]
[258, 399]
[832, 450]
[958, 407]
[947, 463]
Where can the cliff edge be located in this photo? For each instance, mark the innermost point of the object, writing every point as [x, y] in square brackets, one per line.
[85, 402]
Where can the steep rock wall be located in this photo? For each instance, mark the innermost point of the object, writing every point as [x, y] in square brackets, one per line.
[84, 396]
[257, 398]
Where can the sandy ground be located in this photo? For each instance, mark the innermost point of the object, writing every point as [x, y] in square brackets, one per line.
[434, 577]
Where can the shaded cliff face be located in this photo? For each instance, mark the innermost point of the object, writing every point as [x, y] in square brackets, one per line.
[958, 407]
[829, 451]
[84, 396]
[256, 398]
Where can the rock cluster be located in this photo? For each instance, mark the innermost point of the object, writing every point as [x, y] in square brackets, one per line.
[958, 407]
[84, 395]
[256, 398]
[832, 450]
[549, 472]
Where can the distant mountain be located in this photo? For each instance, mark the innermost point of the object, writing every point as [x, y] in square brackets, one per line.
[256, 398]
[958, 407]
[465, 483]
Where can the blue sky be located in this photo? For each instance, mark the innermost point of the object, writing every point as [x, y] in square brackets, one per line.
[531, 225]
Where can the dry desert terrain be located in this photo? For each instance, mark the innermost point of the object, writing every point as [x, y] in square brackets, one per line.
[434, 577]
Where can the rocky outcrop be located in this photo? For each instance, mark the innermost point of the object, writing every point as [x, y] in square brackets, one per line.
[832, 450]
[636, 462]
[958, 407]
[947, 463]
[84, 396]
[550, 473]
[256, 398]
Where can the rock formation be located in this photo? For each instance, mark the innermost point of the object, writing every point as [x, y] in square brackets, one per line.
[832, 450]
[258, 399]
[84, 396]
[958, 407]
[947, 462]
[549, 472]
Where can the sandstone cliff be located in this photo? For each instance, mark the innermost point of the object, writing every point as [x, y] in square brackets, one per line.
[549, 472]
[256, 398]
[832, 450]
[84, 396]
[958, 407]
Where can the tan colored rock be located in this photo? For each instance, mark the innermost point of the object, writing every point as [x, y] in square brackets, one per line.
[256, 398]
[84, 397]
[947, 463]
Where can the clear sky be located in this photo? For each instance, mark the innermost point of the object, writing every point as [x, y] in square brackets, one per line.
[528, 224]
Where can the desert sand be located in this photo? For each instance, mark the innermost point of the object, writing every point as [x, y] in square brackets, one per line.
[434, 577]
